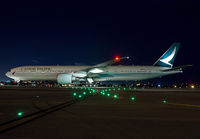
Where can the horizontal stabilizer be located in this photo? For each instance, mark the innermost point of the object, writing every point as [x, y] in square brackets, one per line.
[178, 68]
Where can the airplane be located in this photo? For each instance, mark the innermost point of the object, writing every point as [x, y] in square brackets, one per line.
[105, 71]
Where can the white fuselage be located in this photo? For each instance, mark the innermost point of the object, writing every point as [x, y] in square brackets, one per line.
[110, 73]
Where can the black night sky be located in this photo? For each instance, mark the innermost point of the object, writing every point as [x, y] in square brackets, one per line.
[83, 33]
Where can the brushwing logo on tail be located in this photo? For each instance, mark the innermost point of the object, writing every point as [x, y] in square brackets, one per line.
[169, 58]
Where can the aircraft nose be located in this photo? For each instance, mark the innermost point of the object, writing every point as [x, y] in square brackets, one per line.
[8, 74]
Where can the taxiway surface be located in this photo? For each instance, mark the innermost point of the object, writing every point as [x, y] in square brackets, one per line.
[151, 113]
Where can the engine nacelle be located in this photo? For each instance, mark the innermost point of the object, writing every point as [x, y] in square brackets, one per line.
[64, 78]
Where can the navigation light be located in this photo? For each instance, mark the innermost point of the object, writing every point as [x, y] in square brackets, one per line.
[132, 98]
[115, 96]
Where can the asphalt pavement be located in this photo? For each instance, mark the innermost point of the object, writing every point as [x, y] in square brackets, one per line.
[101, 113]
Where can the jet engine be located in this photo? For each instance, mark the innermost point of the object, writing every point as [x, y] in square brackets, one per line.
[64, 78]
[68, 78]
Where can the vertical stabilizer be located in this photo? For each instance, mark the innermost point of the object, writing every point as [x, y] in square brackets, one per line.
[167, 59]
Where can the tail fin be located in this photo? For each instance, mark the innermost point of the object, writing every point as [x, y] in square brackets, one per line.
[167, 59]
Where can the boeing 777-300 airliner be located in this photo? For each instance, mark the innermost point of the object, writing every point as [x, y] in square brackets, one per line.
[101, 72]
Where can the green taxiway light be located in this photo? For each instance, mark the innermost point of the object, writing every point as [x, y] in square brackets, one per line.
[115, 96]
[79, 96]
[103, 93]
[108, 94]
[118, 88]
[113, 89]
[37, 96]
[19, 113]
[74, 94]
[164, 101]
[135, 88]
[90, 92]
[84, 93]
[109, 89]
[132, 98]
[124, 88]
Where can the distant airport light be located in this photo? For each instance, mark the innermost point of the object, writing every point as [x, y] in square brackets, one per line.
[108, 94]
[164, 101]
[37, 96]
[132, 98]
[138, 84]
[116, 58]
[192, 86]
[115, 96]
[159, 85]
[79, 96]
[19, 113]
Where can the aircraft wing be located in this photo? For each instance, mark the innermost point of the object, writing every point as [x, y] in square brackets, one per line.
[110, 62]
[178, 68]
[97, 68]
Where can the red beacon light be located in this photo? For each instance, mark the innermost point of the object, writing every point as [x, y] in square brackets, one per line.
[116, 58]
